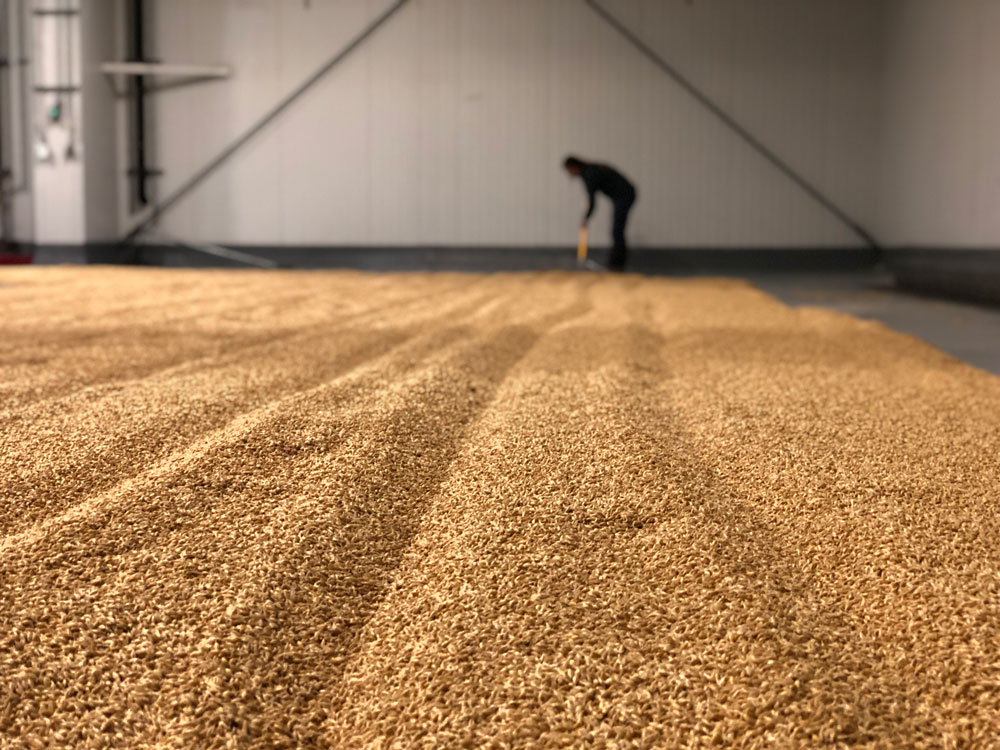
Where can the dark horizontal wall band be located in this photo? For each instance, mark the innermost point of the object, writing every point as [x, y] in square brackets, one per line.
[677, 261]
[971, 275]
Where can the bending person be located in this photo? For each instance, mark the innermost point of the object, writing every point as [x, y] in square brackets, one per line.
[600, 178]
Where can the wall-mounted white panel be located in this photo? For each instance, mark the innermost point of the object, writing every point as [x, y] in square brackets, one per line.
[988, 188]
[395, 131]
[940, 143]
[58, 180]
[438, 187]
[449, 125]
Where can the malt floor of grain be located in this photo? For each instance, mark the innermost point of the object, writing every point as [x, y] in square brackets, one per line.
[252, 510]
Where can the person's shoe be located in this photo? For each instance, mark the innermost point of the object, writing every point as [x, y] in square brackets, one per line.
[616, 260]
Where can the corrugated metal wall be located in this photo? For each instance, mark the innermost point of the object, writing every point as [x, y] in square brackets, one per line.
[449, 126]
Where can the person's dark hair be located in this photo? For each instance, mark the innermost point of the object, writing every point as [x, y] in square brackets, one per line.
[573, 162]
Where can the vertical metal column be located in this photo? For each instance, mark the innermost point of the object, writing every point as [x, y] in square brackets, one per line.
[6, 65]
[140, 168]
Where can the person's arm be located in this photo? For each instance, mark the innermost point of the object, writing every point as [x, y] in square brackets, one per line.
[591, 193]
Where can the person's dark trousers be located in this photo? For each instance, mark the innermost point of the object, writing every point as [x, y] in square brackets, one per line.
[619, 251]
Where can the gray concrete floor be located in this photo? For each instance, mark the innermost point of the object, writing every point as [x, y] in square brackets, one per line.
[968, 332]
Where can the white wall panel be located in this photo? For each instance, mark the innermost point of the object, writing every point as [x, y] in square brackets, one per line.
[801, 76]
[438, 59]
[60, 215]
[396, 131]
[988, 187]
[504, 156]
[449, 125]
[940, 148]
[326, 139]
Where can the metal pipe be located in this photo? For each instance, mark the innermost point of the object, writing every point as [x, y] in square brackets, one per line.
[189, 71]
[58, 89]
[72, 25]
[6, 65]
[227, 153]
[218, 251]
[139, 106]
[735, 126]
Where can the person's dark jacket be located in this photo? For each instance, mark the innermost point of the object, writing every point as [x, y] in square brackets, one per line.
[600, 178]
